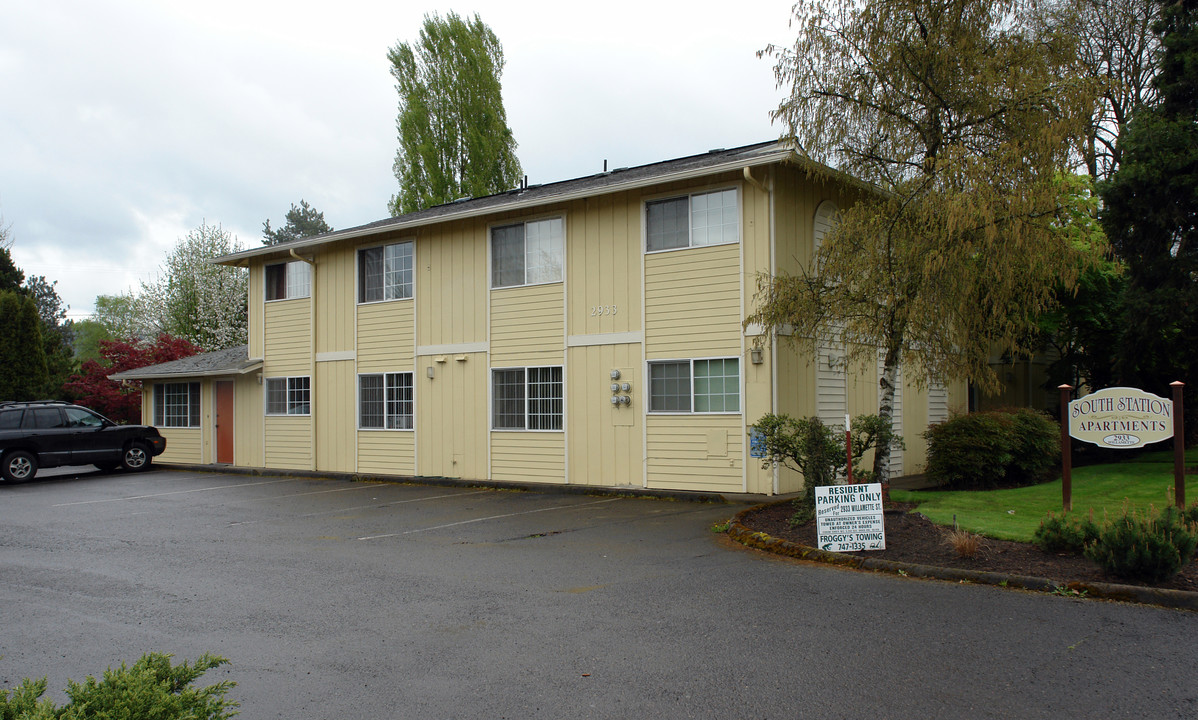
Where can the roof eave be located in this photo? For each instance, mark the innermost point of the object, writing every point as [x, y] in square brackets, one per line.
[248, 367]
[775, 156]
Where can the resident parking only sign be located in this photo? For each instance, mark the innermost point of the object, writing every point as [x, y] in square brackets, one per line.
[849, 517]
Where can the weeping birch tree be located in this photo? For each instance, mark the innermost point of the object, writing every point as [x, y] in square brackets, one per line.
[961, 118]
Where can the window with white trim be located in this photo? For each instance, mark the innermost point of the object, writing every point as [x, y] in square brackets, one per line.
[177, 404]
[289, 280]
[527, 398]
[289, 396]
[385, 272]
[385, 401]
[711, 218]
[695, 386]
[528, 253]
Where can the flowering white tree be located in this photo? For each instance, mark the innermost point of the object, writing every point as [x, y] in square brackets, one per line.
[193, 299]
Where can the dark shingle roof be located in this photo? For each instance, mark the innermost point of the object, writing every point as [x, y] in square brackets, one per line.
[708, 163]
[231, 361]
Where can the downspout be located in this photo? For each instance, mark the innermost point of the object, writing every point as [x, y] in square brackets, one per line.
[768, 190]
[754, 181]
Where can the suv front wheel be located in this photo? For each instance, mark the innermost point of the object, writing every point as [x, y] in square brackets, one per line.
[135, 458]
[19, 465]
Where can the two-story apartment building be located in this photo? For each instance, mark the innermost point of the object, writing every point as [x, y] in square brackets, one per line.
[583, 332]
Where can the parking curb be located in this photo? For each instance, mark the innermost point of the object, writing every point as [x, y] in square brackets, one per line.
[1161, 597]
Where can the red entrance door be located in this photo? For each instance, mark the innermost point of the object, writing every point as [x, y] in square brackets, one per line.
[224, 422]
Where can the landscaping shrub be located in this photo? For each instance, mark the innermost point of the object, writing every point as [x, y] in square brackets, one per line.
[1065, 534]
[151, 688]
[1151, 547]
[998, 448]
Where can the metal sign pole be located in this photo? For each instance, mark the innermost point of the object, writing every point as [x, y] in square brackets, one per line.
[848, 445]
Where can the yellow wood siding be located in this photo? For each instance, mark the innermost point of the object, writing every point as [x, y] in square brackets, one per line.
[289, 442]
[605, 442]
[451, 284]
[333, 299]
[692, 302]
[696, 452]
[528, 456]
[182, 446]
[288, 338]
[255, 320]
[386, 336]
[335, 415]
[603, 261]
[452, 416]
[527, 325]
[390, 452]
[248, 449]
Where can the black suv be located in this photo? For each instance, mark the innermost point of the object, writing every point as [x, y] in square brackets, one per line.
[49, 433]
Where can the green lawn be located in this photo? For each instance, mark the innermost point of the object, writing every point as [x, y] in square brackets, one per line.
[1015, 514]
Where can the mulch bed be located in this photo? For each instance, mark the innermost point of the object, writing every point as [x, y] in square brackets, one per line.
[912, 538]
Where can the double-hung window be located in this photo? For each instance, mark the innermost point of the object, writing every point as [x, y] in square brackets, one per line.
[289, 280]
[527, 398]
[177, 404]
[385, 272]
[289, 396]
[529, 253]
[710, 218]
[695, 386]
[385, 401]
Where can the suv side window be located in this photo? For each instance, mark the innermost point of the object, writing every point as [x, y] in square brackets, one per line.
[43, 419]
[10, 419]
[78, 417]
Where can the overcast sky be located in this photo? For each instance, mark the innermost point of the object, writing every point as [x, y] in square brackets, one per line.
[125, 124]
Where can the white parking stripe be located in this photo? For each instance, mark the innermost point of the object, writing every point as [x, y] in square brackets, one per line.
[174, 492]
[483, 519]
[372, 506]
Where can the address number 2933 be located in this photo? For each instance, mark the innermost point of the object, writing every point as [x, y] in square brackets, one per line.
[597, 310]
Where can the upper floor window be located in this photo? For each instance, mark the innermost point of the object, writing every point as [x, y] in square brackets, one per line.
[285, 281]
[527, 398]
[289, 396]
[692, 220]
[177, 404]
[695, 386]
[528, 253]
[385, 272]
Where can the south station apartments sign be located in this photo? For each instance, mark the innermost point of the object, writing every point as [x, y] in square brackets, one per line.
[1121, 417]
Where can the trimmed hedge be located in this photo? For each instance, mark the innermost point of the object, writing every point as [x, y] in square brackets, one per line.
[997, 448]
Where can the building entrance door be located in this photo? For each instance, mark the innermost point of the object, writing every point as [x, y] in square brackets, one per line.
[224, 421]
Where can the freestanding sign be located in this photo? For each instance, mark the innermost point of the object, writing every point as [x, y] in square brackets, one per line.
[849, 517]
[1121, 417]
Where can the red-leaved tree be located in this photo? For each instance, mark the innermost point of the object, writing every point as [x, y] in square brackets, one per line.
[121, 402]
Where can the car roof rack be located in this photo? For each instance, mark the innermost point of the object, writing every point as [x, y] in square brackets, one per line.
[27, 403]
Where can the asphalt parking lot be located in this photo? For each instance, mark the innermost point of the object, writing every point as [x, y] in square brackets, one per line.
[335, 599]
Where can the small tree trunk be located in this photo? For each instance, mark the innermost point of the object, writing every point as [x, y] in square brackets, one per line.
[886, 414]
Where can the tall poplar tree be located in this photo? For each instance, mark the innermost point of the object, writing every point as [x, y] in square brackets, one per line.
[962, 119]
[1150, 214]
[23, 373]
[454, 140]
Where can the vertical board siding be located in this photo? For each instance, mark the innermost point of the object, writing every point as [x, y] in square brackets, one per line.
[452, 416]
[528, 456]
[336, 418]
[255, 320]
[289, 442]
[288, 341]
[385, 336]
[333, 287]
[527, 325]
[678, 453]
[388, 452]
[182, 445]
[248, 414]
[605, 442]
[451, 283]
[692, 302]
[603, 264]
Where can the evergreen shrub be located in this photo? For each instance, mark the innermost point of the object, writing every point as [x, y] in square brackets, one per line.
[996, 448]
[1150, 547]
[1065, 534]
